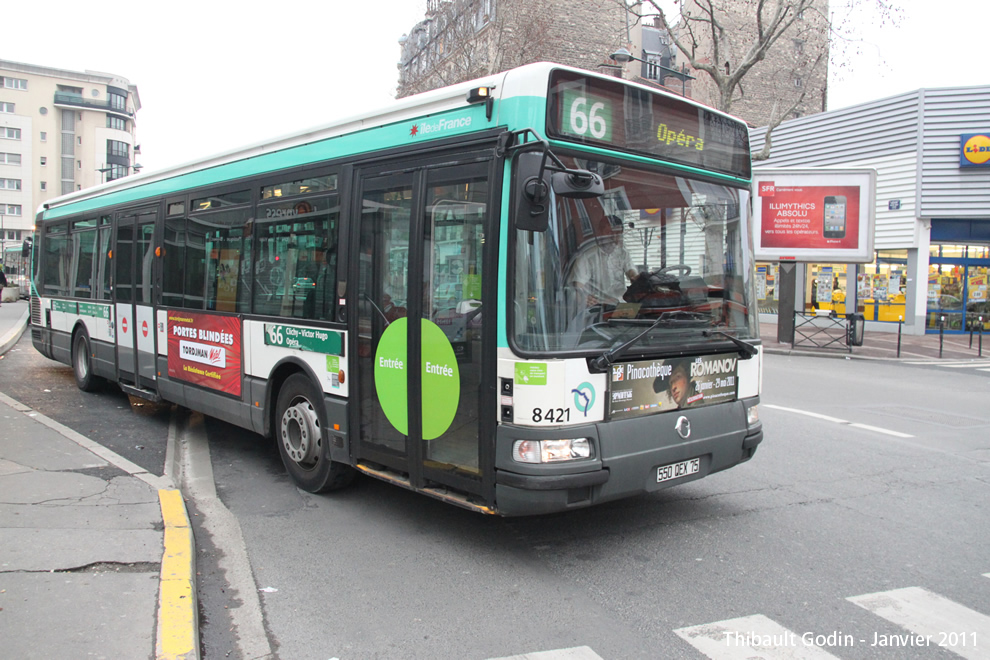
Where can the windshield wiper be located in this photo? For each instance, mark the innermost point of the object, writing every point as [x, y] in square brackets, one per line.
[746, 350]
[667, 319]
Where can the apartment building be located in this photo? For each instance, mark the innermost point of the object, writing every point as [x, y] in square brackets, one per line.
[60, 131]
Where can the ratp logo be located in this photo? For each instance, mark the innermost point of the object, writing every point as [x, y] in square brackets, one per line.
[584, 397]
[975, 150]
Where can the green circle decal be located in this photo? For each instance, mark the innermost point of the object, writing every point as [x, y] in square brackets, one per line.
[441, 378]
[390, 375]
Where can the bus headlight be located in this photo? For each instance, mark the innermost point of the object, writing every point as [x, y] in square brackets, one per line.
[752, 415]
[551, 451]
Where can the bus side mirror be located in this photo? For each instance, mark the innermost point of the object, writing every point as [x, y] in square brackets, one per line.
[535, 178]
[531, 190]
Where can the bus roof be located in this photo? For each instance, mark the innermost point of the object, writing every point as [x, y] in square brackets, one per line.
[526, 81]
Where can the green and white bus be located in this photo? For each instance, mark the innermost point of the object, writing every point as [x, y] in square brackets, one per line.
[408, 294]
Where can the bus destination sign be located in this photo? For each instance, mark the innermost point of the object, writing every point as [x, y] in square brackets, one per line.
[613, 115]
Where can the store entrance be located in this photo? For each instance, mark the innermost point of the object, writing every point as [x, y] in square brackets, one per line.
[957, 288]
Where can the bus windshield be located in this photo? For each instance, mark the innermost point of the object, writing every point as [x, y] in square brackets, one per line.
[655, 250]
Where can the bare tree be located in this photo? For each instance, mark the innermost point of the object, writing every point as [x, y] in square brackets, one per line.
[460, 40]
[727, 40]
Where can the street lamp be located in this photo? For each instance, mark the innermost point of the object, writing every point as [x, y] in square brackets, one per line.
[103, 170]
[622, 56]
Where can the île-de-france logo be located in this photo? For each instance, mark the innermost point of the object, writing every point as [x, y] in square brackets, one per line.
[414, 131]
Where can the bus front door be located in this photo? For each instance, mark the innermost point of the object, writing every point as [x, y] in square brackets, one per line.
[419, 328]
[133, 258]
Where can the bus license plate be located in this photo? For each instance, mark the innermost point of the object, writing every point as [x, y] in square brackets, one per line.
[675, 470]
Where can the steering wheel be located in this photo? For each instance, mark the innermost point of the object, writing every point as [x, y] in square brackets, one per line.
[683, 268]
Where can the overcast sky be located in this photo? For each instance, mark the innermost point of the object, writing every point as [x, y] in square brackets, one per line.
[216, 75]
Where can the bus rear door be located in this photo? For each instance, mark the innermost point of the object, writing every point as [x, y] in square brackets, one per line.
[133, 286]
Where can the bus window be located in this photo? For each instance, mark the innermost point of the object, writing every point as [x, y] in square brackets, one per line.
[296, 265]
[58, 261]
[83, 250]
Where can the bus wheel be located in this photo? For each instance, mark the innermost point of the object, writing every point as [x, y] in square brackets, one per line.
[81, 367]
[299, 433]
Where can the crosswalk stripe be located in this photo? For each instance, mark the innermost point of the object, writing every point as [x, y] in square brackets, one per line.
[750, 637]
[934, 620]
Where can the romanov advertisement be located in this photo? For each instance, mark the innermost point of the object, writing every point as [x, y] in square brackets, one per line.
[205, 349]
[652, 386]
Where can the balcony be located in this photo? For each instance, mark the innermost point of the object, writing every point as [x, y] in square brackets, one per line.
[65, 99]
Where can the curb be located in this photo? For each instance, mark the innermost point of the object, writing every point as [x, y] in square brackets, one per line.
[8, 340]
[178, 633]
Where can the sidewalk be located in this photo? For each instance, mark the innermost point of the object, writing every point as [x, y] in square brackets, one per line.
[97, 555]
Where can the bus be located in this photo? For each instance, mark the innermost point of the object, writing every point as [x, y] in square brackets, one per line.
[402, 294]
[16, 264]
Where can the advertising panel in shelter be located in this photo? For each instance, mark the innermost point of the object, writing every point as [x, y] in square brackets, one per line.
[814, 214]
[205, 349]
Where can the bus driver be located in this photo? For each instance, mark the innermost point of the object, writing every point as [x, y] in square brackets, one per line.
[600, 271]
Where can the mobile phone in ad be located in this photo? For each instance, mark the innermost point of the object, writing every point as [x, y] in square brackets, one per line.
[834, 225]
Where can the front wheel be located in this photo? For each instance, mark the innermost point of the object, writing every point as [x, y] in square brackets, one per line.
[81, 366]
[299, 421]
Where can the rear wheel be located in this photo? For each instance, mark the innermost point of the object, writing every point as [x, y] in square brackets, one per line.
[299, 422]
[81, 366]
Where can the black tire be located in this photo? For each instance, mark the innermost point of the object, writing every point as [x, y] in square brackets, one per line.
[82, 367]
[298, 429]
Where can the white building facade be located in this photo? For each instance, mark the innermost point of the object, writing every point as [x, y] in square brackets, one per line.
[60, 131]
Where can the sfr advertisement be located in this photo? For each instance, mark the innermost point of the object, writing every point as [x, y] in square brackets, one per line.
[205, 349]
[652, 386]
[819, 214]
[824, 217]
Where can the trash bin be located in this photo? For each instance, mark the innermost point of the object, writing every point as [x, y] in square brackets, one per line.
[854, 332]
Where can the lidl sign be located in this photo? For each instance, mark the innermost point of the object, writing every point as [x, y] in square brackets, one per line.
[974, 150]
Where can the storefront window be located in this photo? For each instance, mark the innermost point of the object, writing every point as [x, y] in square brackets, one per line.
[957, 288]
[766, 288]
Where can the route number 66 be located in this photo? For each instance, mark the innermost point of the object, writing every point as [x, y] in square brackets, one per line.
[275, 335]
[584, 119]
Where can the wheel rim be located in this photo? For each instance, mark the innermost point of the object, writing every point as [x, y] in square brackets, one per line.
[301, 435]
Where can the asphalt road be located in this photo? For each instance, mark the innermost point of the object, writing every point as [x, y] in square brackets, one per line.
[873, 479]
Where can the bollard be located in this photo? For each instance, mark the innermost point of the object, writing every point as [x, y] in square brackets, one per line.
[900, 324]
[941, 335]
[981, 337]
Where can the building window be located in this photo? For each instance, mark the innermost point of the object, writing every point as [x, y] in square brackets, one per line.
[116, 172]
[14, 83]
[10, 184]
[116, 123]
[118, 148]
[8, 133]
[44, 160]
[798, 46]
[7, 107]
[10, 159]
[44, 185]
[79, 138]
[798, 82]
[117, 102]
[44, 136]
[12, 209]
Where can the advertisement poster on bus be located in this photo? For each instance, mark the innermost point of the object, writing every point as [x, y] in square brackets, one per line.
[814, 214]
[205, 349]
[652, 386]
